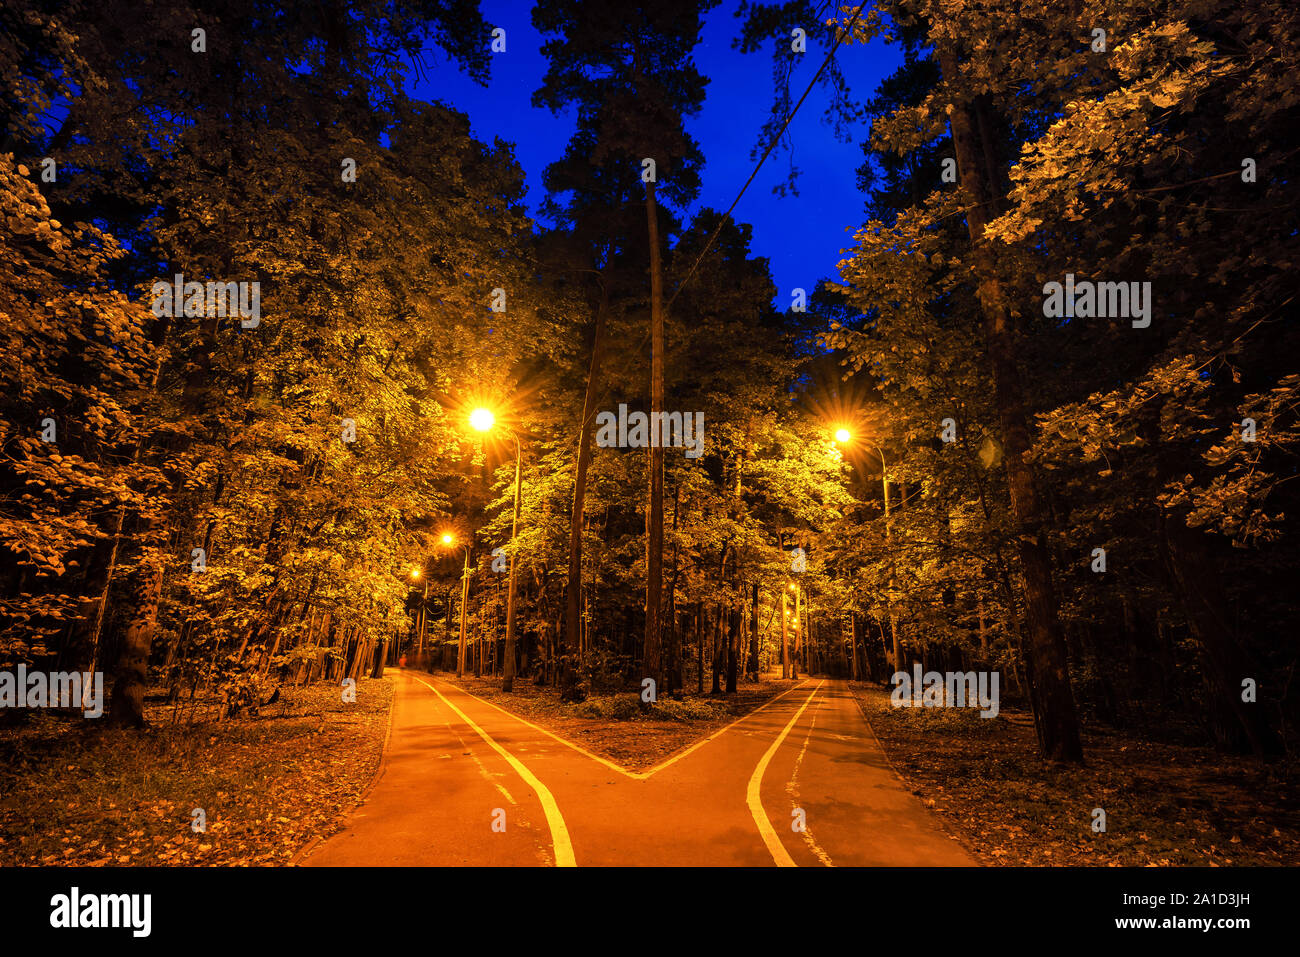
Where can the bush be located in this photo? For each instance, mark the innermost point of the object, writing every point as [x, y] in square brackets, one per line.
[626, 707]
[618, 707]
[688, 709]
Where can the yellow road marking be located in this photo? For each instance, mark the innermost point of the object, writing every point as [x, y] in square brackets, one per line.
[568, 744]
[635, 775]
[752, 798]
[559, 832]
[793, 790]
[721, 731]
[488, 776]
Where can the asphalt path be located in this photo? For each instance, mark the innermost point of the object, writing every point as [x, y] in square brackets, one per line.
[802, 781]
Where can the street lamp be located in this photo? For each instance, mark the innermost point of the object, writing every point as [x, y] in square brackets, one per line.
[424, 607]
[792, 653]
[449, 539]
[483, 420]
[844, 435]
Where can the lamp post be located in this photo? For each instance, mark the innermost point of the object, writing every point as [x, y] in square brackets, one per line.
[482, 420]
[800, 637]
[843, 435]
[424, 601]
[448, 539]
[792, 649]
[785, 635]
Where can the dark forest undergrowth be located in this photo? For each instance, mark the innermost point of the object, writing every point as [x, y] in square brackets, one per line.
[87, 794]
[1165, 803]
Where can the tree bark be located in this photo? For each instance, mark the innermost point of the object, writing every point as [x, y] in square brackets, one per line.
[145, 590]
[1048, 658]
[715, 637]
[508, 669]
[785, 634]
[753, 634]
[673, 655]
[734, 624]
[854, 641]
[655, 507]
[701, 625]
[570, 640]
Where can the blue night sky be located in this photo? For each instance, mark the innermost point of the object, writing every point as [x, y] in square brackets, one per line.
[801, 235]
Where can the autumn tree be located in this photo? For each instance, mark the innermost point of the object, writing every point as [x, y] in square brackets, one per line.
[629, 73]
[1181, 370]
[78, 364]
[240, 154]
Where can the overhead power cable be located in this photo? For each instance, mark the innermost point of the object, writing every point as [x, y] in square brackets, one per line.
[770, 146]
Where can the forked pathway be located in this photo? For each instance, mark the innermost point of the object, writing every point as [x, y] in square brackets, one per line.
[456, 763]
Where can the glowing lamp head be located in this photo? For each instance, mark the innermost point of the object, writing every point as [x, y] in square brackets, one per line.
[447, 539]
[415, 574]
[842, 435]
[481, 419]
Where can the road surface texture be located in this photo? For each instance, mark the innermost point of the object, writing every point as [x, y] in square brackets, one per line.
[802, 781]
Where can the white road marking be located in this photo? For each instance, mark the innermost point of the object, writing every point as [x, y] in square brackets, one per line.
[793, 790]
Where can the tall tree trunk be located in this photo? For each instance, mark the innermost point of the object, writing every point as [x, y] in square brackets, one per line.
[674, 652]
[200, 398]
[655, 507]
[101, 566]
[855, 641]
[785, 633]
[144, 592]
[570, 640]
[796, 635]
[753, 634]
[715, 634]
[734, 625]
[1048, 658]
[701, 625]
[508, 669]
